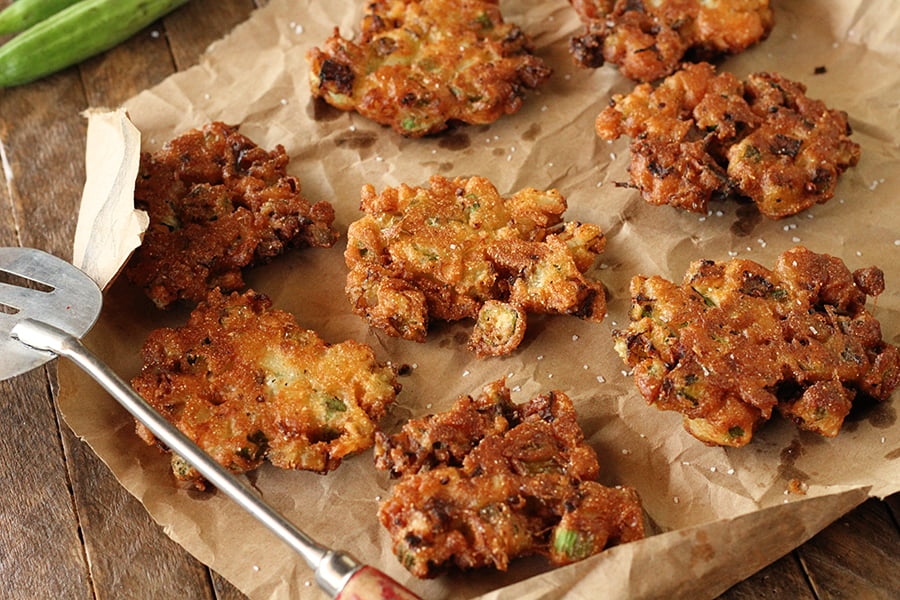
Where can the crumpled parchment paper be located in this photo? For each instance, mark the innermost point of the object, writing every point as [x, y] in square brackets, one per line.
[716, 515]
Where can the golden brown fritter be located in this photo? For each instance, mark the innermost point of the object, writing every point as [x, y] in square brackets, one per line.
[458, 250]
[700, 135]
[489, 481]
[737, 340]
[420, 64]
[218, 203]
[649, 39]
[247, 384]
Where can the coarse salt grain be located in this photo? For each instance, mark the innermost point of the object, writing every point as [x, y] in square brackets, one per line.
[466, 373]
[675, 499]
[601, 379]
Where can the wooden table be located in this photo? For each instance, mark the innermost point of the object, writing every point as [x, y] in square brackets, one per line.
[67, 528]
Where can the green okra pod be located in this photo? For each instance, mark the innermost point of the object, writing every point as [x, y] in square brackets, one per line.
[75, 33]
[22, 14]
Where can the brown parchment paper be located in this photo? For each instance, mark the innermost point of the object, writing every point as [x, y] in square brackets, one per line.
[716, 515]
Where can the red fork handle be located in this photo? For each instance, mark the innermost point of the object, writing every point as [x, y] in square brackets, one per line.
[369, 583]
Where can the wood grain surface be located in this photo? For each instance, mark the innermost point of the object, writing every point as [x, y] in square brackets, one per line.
[68, 530]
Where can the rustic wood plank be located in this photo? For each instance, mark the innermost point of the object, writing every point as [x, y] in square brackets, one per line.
[135, 65]
[784, 578]
[42, 555]
[187, 41]
[893, 504]
[40, 124]
[128, 553]
[856, 557]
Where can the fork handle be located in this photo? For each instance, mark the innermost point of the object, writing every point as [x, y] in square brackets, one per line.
[333, 570]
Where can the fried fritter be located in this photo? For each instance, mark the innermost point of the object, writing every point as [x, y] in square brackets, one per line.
[701, 135]
[218, 203]
[419, 64]
[458, 250]
[649, 39]
[737, 340]
[481, 487]
[247, 384]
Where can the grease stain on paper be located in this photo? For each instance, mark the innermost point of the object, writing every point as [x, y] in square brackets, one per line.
[748, 217]
[439, 167]
[532, 133]
[455, 141]
[881, 415]
[356, 140]
[319, 110]
[789, 456]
